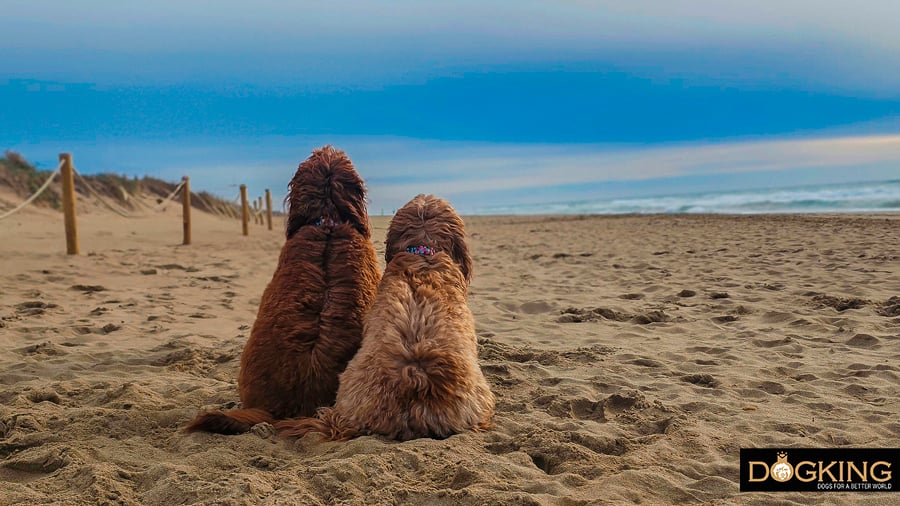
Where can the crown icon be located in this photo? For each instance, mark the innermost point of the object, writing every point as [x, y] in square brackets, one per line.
[782, 470]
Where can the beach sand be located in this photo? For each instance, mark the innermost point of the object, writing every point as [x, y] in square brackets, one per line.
[631, 357]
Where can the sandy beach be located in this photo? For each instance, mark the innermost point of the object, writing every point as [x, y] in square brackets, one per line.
[632, 357]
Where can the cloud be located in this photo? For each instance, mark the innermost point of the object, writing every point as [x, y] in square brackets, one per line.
[507, 173]
[377, 42]
[473, 174]
[207, 22]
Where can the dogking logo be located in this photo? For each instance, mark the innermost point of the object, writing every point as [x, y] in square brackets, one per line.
[781, 470]
[824, 470]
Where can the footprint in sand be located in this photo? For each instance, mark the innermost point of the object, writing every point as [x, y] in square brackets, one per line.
[535, 307]
[777, 317]
[701, 380]
[43, 395]
[578, 408]
[265, 463]
[579, 315]
[42, 459]
[654, 316]
[864, 341]
[839, 304]
[45, 348]
[492, 351]
[218, 279]
[890, 307]
[646, 362]
[89, 289]
[33, 308]
[169, 267]
[773, 343]
[771, 387]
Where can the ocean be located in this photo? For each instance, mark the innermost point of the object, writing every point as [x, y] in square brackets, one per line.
[880, 196]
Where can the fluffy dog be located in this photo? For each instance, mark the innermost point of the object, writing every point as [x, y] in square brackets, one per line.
[416, 373]
[310, 317]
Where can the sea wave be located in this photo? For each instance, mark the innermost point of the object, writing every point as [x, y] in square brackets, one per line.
[857, 197]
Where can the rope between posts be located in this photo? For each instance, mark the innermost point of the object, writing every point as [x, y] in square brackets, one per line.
[100, 198]
[205, 203]
[162, 205]
[137, 202]
[35, 195]
[211, 209]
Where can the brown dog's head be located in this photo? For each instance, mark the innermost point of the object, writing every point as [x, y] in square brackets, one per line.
[326, 187]
[429, 221]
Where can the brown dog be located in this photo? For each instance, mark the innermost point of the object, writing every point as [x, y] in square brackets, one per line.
[416, 373]
[310, 318]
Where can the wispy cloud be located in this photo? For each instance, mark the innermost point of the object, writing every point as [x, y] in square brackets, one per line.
[383, 42]
[202, 22]
[542, 83]
[474, 175]
[499, 173]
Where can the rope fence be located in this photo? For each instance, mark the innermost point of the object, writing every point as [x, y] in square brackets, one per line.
[36, 194]
[208, 206]
[137, 202]
[97, 195]
[165, 202]
[262, 213]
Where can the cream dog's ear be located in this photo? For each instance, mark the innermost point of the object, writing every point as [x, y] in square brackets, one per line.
[460, 253]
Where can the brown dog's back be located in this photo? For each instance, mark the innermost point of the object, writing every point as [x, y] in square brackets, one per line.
[309, 323]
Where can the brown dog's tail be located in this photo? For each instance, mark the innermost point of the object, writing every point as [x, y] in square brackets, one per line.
[327, 421]
[235, 421]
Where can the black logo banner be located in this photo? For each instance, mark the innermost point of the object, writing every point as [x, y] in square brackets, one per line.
[819, 469]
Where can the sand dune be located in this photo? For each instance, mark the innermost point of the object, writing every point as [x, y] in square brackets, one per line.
[632, 357]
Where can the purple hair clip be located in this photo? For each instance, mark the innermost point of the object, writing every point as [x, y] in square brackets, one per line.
[421, 250]
[326, 222]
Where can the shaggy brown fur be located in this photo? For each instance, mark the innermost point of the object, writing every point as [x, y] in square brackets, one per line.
[416, 374]
[310, 318]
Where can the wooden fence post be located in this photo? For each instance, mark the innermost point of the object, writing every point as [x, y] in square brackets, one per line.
[269, 207]
[68, 187]
[259, 210]
[245, 210]
[186, 209]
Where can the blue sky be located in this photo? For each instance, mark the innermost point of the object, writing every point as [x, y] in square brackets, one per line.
[483, 103]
